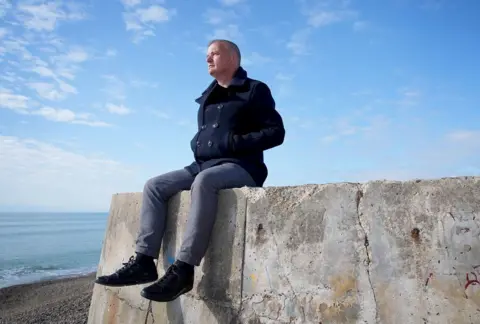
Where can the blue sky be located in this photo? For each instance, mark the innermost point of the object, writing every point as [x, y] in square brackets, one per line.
[98, 96]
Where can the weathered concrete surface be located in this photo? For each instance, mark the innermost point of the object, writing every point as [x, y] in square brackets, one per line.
[380, 252]
[119, 304]
[304, 257]
[424, 245]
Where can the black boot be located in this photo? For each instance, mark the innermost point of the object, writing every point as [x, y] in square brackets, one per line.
[133, 272]
[177, 281]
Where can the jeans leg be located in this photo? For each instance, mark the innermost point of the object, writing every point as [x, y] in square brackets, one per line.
[156, 194]
[203, 210]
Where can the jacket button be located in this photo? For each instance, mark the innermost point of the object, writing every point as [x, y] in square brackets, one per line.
[210, 143]
[204, 126]
[220, 106]
[215, 125]
[198, 143]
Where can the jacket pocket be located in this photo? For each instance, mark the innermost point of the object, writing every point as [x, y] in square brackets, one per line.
[225, 145]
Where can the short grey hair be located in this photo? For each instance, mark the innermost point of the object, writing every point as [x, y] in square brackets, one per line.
[233, 47]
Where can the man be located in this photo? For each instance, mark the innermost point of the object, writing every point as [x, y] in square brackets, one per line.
[237, 121]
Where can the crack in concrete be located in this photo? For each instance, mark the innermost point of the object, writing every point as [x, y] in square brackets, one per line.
[124, 300]
[150, 311]
[358, 199]
[242, 270]
[285, 276]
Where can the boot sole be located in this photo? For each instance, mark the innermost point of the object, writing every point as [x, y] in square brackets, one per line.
[123, 284]
[157, 298]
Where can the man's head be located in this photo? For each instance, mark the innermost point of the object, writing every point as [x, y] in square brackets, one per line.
[223, 58]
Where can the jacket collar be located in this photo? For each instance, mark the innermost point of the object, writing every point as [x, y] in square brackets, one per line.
[239, 78]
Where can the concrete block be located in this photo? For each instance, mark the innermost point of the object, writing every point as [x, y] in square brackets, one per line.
[424, 246]
[379, 252]
[119, 304]
[304, 257]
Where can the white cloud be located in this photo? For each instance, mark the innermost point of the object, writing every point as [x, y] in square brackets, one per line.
[13, 101]
[143, 84]
[115, 88]
[142, 21]
[298, 42]
[28, 166]
[357, 124]
[5, 5]
[255, 58]
[230, 32]
[111, 52]
[118, 109]
[68, 116]
[465, 136]
[324, 18]
[161, 114]
[51, 92]
[230, 2]
[360, 26]
[3, 32]
[219, 16]
[76, 55]
[283, 77]
[131, 3]
[24, 105]
[46, 16]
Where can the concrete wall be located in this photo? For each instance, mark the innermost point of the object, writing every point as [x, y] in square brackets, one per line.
[379, 252]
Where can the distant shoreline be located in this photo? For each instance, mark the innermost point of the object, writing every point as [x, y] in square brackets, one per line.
[61, 300]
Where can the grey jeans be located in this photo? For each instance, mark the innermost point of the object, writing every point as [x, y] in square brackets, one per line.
[204, 198]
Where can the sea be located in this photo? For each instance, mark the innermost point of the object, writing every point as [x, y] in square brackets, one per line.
[42, 246]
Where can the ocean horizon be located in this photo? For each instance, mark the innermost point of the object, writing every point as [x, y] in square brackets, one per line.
[38, 246]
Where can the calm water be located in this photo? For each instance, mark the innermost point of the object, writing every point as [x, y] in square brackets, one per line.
[38, 246]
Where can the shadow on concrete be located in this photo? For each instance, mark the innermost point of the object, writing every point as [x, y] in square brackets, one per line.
[174, 308]
[214, 286]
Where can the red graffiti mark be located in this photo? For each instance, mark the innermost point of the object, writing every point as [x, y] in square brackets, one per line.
[472, 281]
[428, 279]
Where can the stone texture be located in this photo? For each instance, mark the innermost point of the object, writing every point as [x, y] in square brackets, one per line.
[379, 252]
[424, 240]
[119, 304]
[304, 257]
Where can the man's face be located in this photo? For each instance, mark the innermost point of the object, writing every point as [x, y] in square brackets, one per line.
[219, 58]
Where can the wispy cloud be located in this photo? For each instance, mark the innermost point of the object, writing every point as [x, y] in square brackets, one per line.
[358, 124]
[68, 116]
[28, 166]
[230, 2]
[256, 58]
[47, 16]
[318, 14]
[26, 106]
[215, 16]
[231, 32]
[142, 20]
[117, 109]
[16, 102]
[114, 88]
[298, 42]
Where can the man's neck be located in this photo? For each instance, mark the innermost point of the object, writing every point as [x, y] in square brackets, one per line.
[225, 79]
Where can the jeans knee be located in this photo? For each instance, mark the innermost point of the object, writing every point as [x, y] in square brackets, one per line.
[154, 187]
[203, 180]
[149, 185]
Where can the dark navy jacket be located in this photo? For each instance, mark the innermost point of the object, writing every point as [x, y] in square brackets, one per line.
[236, 124]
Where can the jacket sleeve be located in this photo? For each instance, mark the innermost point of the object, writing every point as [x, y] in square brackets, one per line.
[270, 130]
